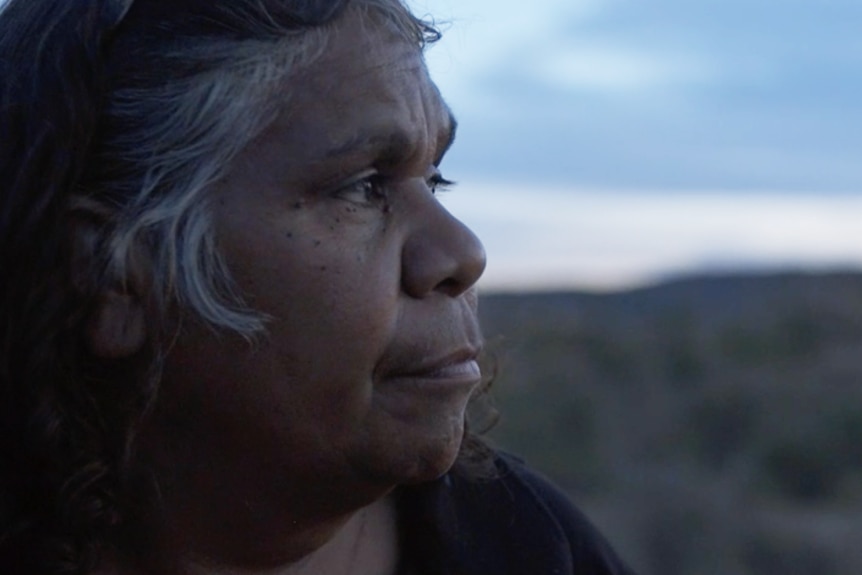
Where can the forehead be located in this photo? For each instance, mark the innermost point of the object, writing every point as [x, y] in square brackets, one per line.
[368, 86]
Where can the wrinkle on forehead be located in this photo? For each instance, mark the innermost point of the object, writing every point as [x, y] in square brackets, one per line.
[392, 141]
[368, 94]
[421, 130]
[397, 103]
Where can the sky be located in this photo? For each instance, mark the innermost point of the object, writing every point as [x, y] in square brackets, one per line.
[605, 144]
[608, 144]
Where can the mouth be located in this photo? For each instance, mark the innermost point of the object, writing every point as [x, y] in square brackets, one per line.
[457, 369]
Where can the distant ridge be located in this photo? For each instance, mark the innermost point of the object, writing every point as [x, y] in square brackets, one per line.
[712, 423]
[712, 294]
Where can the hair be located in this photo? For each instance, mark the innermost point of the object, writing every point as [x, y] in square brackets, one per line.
[113, 125]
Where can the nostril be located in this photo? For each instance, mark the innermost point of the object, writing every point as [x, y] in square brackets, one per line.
[442, 256]
[450, 287]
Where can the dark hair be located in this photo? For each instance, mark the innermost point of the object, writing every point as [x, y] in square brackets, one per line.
[85, 101]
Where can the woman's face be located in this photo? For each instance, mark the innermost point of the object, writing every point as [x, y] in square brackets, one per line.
[329, 224]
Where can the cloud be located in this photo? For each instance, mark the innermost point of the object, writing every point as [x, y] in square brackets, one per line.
[484, 35]
[753, 94]
[612, 70]
[606, 239]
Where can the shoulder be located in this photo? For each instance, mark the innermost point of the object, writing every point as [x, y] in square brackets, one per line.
[547, 505]
[514, 522]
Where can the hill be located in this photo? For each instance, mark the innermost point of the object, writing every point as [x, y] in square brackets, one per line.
[709, 424]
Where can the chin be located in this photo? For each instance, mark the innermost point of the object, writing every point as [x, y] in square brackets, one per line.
[432, 464]
[416, 457]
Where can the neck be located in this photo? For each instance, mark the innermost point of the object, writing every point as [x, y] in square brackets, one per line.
[246, 523]
[275, 529]
[232, 511]
[366, 541]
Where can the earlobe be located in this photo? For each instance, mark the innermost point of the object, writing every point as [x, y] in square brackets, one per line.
[117, 327]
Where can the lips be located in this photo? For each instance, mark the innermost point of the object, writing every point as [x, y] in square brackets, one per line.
[454, 368]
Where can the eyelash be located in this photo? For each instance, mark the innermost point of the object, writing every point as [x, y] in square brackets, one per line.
[437, 183]
[373, 187]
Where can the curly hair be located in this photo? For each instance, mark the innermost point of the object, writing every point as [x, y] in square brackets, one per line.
[111, 132]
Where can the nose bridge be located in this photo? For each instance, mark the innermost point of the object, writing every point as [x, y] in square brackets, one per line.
[441, 254]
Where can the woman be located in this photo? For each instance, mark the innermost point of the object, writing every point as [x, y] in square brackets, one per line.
[239, 331]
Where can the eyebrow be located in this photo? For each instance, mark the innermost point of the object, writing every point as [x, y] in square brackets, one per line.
[395, 145]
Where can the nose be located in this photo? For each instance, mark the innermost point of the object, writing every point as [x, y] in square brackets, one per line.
[440, 255]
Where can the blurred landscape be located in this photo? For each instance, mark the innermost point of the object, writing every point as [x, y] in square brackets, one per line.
[708, 425]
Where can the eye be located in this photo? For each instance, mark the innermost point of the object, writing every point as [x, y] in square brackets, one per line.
[367, 189]
[437, 183]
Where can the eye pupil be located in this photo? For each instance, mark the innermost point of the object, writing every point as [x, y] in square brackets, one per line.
[371, 188]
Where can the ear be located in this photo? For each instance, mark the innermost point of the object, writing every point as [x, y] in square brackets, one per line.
[117, 327]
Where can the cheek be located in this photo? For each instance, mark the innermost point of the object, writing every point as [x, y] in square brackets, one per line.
[308, 247]
[331, 287]
[346, 301]
[328, 274]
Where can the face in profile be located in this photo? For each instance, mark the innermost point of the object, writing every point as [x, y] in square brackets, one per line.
[330, 226]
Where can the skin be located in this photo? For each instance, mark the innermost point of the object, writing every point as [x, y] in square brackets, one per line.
[330, 226]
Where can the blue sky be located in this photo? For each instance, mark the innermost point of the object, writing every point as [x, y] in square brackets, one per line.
[606, 144]
[671, 94]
